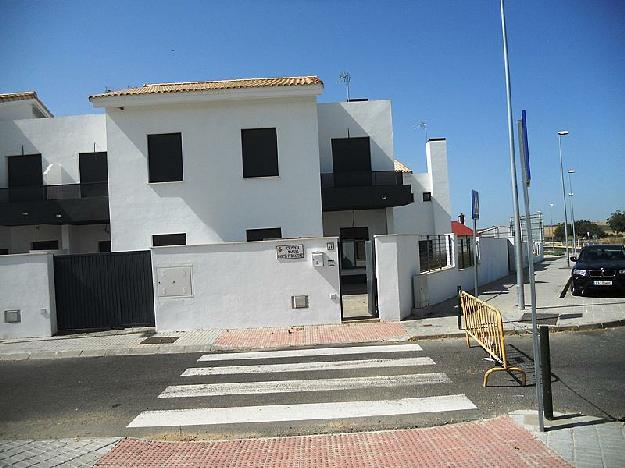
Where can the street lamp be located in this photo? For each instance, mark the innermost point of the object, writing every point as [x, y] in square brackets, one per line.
[562, 133]
[572, 171]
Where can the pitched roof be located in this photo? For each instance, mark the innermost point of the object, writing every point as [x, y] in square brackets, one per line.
[401, 167]
[460, 229]
[202, 86]
[24, 96]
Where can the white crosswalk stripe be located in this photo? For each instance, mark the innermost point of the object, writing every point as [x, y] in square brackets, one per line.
[289, 386]
[312, 352]
[393, 372]
[308, 366]
[306, 411]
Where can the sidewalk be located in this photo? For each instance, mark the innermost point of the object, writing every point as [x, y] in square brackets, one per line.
[583, 441]
[567, 313]
[570, 312]
[463, 444]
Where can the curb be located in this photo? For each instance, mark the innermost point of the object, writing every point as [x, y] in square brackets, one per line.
[107, 352]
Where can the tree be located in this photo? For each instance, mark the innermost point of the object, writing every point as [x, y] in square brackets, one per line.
[616, 221]
[583, 229]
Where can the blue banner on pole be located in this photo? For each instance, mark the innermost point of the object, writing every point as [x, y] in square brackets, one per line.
[526, 148]
[475, 205]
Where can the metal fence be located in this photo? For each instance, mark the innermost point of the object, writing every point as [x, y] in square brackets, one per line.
[434, 252]
[538, 230]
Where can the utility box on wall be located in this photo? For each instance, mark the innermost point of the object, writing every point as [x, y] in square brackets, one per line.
[317, 259]
[174, 281]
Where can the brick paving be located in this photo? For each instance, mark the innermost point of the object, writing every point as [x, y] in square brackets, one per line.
[311, 335]
[496, 442]
[54, 452]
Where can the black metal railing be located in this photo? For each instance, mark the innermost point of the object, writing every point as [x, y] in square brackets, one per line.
[433, 252]
[53, 192]
[361, 179]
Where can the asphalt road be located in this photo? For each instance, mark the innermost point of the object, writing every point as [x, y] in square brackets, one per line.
[100, 396]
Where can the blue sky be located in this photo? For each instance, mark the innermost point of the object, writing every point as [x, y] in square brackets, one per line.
[437, 60]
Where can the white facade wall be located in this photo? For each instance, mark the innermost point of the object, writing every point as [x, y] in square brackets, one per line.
[59, 140]
[374, 220]
[214, 203]
[431, 217]
[357, 119]
[27, 285]
[239, 285]
[17, 110]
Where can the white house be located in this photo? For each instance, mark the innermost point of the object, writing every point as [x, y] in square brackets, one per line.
[210, 165]
[210, 162]
[53, 179]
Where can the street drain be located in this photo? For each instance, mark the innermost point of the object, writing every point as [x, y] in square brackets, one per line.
[160, 340]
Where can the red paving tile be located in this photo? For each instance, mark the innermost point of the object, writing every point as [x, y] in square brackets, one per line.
[310, 335]
[496, 442]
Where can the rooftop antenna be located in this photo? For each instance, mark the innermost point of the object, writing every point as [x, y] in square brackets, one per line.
[345, 77]
[423, 125]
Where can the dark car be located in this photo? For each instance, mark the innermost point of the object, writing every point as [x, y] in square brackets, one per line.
[599, 267]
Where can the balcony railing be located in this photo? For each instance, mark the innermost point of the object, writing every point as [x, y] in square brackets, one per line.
[361, 179]
[53, 192]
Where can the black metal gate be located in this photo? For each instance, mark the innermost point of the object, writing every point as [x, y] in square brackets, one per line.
[104, 290]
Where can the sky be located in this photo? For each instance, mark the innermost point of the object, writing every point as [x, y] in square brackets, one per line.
[438, 61]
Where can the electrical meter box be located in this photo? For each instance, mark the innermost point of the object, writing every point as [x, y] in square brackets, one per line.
[317, 259]
[174, 281]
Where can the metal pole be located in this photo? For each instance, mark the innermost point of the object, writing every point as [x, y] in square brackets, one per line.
[566, 221]
[513, 179]
[545, 360]
[477, 293]
[530, 264]
[571, 194]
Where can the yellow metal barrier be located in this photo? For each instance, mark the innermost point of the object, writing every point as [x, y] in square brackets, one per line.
[484, 323]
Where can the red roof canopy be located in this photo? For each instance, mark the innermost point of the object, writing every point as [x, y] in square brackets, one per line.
[460, 229]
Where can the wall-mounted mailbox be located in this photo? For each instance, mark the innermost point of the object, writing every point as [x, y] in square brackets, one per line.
[174, 281]
[317, 259]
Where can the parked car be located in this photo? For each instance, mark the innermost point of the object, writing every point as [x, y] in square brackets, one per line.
[599, 267]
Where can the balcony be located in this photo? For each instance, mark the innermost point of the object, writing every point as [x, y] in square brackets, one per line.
[55, 204]
[364, 190]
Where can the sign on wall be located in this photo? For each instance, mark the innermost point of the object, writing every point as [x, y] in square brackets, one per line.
[290, 251]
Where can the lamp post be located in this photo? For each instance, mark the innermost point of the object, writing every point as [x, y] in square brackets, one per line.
[513, 179]
[551, 221]
[562, 133]
[572, 171]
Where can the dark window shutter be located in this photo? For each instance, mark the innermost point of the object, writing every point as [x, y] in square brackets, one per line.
[259, 147]
[263, 234]
[351, 154]
[169, 239]
[165, 157]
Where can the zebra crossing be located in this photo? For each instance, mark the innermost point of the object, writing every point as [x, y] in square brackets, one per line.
[319, 384]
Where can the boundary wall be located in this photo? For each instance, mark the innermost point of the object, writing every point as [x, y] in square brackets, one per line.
[27, 286]
[246, 284]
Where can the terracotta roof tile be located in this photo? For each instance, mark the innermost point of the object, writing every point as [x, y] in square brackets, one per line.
[199, 86]
[24, 96]
[401, 167]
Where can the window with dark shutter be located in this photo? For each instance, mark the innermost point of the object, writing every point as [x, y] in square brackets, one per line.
[93, 168]
[259, 148]
[104, 246]
[254, 235]
[169, 239]
[427, 196]
[45, 245]
[165, 157]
